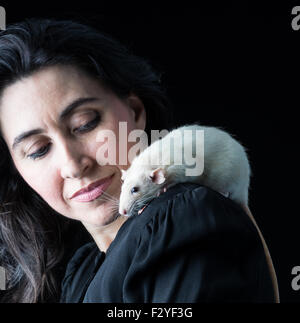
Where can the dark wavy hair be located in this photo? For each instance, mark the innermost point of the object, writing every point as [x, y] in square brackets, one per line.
[33, 237]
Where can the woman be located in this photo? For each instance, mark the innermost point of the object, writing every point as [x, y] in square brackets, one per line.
[61, 83]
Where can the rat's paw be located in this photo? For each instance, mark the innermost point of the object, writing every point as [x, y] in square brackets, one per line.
[162, 190]
[142, 209]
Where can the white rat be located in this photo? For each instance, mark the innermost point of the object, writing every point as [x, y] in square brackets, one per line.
[226, 167]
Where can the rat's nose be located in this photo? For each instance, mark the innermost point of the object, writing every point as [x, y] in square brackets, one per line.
[122, 211]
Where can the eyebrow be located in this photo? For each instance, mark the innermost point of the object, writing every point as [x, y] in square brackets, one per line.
[62, 116]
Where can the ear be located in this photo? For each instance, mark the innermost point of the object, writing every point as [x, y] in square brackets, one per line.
[158, 176]
[123, 174]
[138, 111]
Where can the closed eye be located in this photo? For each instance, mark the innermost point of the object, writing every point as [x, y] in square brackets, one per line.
[88, 126]
[40, 152]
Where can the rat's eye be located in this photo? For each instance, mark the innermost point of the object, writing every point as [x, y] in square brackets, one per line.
[134, 190]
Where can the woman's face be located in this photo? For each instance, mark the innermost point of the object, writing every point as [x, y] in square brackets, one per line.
[58, 158]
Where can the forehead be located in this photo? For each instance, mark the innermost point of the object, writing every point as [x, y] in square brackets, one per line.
[41, 95]
[47, 87]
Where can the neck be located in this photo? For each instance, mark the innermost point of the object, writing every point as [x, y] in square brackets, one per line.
[104, 235]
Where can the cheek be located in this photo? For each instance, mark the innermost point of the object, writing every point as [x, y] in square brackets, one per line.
[51, 193]
[122, 146]
[46, 184]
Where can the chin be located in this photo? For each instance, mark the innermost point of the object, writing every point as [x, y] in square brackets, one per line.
[111, 218]
[103, 218]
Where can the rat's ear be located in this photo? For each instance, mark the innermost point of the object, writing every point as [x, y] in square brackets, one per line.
[157, 176]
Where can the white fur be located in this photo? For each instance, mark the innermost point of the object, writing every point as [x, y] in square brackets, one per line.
[226, 168]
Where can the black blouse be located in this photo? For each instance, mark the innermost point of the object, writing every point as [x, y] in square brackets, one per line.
[191, 244]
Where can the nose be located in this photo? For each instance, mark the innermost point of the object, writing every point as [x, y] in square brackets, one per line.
[74, 169]
[74, 163]
[122, 211]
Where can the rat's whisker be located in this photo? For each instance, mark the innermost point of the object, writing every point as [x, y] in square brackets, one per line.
[105, 199]
[137, 205]
[109, 197]
[111, 202]
[112, 209]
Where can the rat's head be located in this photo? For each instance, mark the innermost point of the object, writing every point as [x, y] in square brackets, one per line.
[139, 186]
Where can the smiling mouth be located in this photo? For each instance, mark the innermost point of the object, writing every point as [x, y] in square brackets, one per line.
[93, 191]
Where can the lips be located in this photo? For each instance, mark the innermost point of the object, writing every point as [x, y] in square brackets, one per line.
[92, 191]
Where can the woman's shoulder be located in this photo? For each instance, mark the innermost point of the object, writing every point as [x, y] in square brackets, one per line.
[188, 229]
[194, 207]
[183, 225]
[185, 216]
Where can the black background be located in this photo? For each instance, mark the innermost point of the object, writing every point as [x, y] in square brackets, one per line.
[234, 65]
